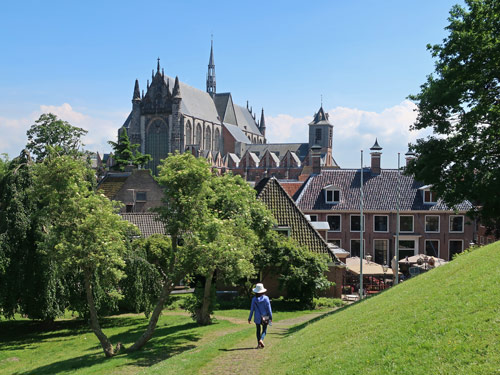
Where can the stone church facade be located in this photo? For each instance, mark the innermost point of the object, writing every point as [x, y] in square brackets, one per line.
[173, 116]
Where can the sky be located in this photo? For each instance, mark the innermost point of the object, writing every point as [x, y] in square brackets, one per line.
[360, 59]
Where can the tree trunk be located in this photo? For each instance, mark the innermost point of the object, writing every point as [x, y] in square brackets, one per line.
[146, 336]
[168, 286]
[94, 322]
[204, 316]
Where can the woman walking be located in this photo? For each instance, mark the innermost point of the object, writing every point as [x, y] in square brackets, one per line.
[261, 307]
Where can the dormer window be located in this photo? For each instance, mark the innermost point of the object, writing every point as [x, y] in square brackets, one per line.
[430, 197]
[332, 195]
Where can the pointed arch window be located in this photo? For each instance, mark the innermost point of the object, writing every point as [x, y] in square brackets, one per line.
[217, 140]
[208, 138]
[189, 132]
[198, 136]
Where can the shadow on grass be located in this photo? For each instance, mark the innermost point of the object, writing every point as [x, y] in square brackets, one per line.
[298, 327]
[166, 342]
[236, 349]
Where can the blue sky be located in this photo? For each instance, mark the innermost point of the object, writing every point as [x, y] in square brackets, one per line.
[80, 60]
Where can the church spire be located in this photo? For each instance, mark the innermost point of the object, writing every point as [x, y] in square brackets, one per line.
[137, 92]
[262, 124]
[211, 71]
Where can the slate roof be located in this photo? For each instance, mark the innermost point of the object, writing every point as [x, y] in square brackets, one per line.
[112, 183]
[379, 191]
[320, 118]
[195, 102]
[245, 120]
[237, 133]
[146, 222]
[287, 214]
[280, 149]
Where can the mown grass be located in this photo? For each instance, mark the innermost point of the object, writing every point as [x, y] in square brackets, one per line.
[70, 347]
[446, 321]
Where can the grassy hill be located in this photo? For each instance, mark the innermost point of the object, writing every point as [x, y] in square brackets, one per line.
[446, 321]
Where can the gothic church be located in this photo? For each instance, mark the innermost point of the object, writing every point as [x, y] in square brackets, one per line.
[173, 116]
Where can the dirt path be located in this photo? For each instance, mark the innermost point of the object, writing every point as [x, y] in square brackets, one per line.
[244, 358]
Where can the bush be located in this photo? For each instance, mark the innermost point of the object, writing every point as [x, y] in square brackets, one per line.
[324, 302]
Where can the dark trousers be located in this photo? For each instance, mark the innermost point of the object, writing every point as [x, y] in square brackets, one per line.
[260, 336]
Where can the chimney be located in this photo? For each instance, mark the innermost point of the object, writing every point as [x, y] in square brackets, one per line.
[410, 155]
[316, 159]
[375, 153]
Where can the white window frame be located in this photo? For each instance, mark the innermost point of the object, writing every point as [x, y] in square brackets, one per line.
[340, 226]
[463, 224]
[141, 192]
[350, 223]
[311, 217]
[387, 251]
[412, 224]
[425, 224]
[330, 240]
[449, 249]
[356, 239]
[439, 245]
[333, 190]
[381, 231]
[411, 238]
[433, 194]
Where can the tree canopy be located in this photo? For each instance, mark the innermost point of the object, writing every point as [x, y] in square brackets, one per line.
[460, 101]
[50, 132]
[126, 153]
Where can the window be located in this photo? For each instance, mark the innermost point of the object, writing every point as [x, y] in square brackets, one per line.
[356, 223]
[335, 241]
[380, 223]
[334, 222]
[429, 196]
[406, 248]
[332, 195]
[140, 196]
[284, 231]
[455, 247]
[432, 224]
[355, 247]
[318, 135]
[406, 223]
[129, 208]
[456, 224]
[313, 217]
[432, 248]
[381, 249]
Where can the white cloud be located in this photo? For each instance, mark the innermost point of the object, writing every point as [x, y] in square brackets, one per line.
[355, 129]
[100, 128]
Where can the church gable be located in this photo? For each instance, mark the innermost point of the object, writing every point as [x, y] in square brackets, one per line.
[225, 108]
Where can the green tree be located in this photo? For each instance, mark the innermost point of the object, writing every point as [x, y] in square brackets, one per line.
[185, 181]
[51, 133]
[125, 153]
[460, 101]
[30, 282]
[229, 233]
[87, 236]
[301, 273]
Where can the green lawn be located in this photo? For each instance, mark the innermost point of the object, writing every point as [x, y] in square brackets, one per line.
[446, 321]
[70, 347]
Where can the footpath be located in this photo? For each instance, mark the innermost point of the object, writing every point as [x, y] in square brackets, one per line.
[244, 358]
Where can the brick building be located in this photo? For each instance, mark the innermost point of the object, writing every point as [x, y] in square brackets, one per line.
[427, 225]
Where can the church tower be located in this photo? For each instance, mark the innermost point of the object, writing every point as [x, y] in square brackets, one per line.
[321, 134]
[211, 72]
